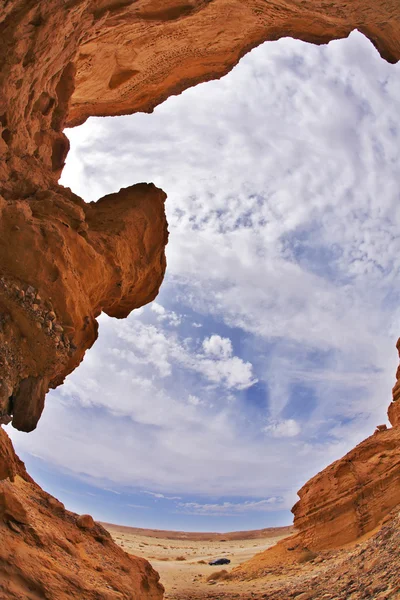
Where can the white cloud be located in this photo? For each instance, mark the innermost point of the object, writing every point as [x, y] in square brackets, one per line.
[194, 400]
[150, 345]
[285, 428]
[217, 346]
[157, 308]
[166, 315]
[159, 496]
[230, 509]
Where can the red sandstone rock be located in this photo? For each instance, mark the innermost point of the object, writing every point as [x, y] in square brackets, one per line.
[85, 522]
[10, 464]
[71, 261]
[61, 63]
[10, 506]
[352, 496]
[394, 414]
[394, 407]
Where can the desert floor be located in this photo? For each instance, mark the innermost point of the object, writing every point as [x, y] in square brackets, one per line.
[182, 558]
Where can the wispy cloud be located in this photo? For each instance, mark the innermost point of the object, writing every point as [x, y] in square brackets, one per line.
[161, 496]
[230, 509]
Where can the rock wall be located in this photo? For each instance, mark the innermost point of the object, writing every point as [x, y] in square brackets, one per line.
[394, 406]
[351, 497]
[343, 503]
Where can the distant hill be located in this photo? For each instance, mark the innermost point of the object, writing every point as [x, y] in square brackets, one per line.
[203, 536]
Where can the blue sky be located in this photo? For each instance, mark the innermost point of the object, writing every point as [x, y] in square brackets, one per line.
[270, 350]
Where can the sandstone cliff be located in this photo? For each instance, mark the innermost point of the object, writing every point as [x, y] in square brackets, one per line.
[394, 406]
[351, 496]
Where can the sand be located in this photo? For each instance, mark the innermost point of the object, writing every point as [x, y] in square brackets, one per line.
[182, 558]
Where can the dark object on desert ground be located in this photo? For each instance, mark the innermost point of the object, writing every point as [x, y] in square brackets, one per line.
[220, 561]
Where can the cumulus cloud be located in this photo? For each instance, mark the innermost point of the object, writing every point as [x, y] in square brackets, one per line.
[214, 360]
[273, 335]
[169, 316]
[217, 346]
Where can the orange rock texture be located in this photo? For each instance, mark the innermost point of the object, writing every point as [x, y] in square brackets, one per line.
[394, 406]
[62, 261]
[351, 497]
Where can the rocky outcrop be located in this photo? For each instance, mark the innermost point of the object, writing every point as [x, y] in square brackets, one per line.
[368, 570]
[343, 504]
[64, 61]
[50, 553]
[62, 262]
[351, 497]
[394, 406]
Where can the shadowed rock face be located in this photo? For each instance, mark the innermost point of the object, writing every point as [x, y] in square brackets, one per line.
[62, 261]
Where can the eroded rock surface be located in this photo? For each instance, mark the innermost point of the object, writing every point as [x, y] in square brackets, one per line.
[46, 553]
[368, 570]
[62, 263]
[344, 503]
[351, 497]
[394, 406]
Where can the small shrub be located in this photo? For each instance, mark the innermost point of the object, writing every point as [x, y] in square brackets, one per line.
[218, 576]
[306, 556]
[180, 558]
[201, 562]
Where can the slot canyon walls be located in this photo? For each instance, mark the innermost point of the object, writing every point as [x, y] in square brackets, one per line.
[63, 261]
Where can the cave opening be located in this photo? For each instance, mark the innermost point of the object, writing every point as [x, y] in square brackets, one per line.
[269, 350]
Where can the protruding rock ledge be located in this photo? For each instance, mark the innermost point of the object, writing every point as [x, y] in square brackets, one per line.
[63, 262]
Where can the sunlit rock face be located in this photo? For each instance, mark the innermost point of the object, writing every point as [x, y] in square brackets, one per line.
[62, 261]
[394, 406]
[351, 497]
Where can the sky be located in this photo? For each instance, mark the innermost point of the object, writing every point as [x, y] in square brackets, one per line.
[270, 350]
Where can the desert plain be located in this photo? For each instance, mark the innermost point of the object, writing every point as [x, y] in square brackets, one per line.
[182, 558]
